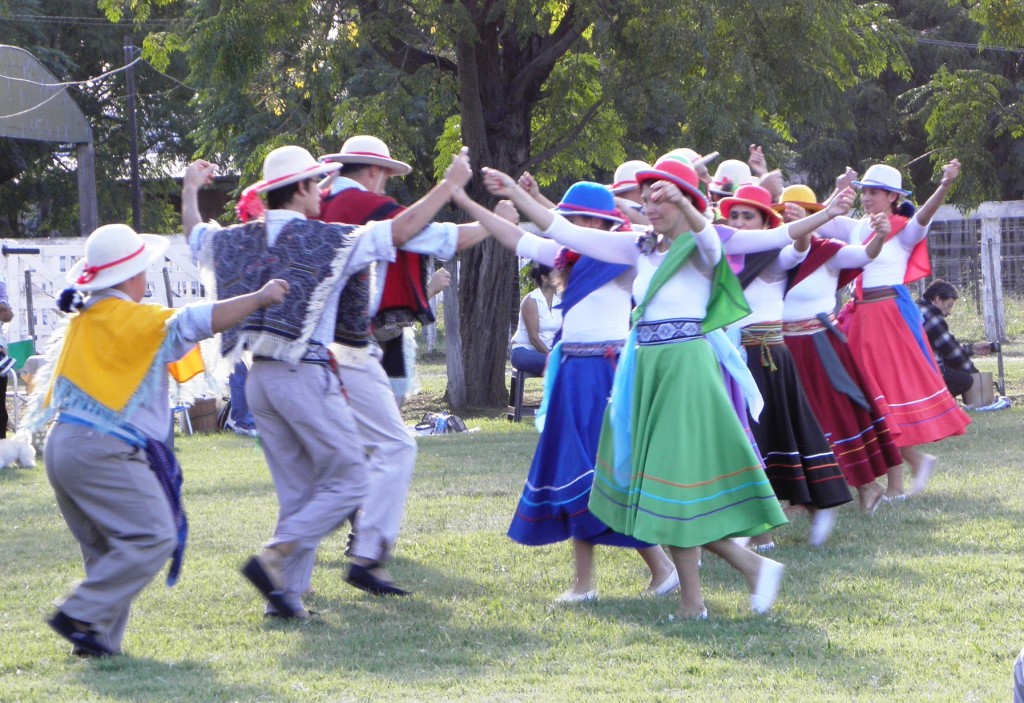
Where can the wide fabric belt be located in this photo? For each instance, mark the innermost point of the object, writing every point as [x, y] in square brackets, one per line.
[872, 295]
[610, 349]
[668, 331]
[763, 335]
[809, 325]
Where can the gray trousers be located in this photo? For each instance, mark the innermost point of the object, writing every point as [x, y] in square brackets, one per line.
[114, 506]
[311, 444]
[391, 454]
[1018, 679]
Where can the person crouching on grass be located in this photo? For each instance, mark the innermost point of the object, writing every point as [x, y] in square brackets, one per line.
[117, 485]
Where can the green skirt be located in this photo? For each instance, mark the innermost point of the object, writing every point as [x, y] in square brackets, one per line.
[695, 477]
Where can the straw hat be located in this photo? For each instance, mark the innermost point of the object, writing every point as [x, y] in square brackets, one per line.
[624, 179]
[752, 196]
[884, 178]
[113, 254]
[679, 171]
[364, 149]
[290, 164]
[592, 199]
[798, 194]
[730, 175]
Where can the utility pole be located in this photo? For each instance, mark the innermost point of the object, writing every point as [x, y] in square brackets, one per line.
[133, 136]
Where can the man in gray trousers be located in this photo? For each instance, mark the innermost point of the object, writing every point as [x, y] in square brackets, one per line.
[308, 429]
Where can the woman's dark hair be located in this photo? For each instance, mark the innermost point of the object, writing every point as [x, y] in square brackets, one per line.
[940, 289]
[537, 271]
[279, 197]
[904, 208]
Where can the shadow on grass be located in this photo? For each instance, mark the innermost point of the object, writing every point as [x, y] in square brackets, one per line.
[126, 678]
[413, 640]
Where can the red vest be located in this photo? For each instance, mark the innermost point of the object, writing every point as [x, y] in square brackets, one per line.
[404, 296]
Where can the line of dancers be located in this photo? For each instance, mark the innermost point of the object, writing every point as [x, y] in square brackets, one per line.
[657, 432]
[736, 389]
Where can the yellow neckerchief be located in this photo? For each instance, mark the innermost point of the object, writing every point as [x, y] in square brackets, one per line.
[109, 348]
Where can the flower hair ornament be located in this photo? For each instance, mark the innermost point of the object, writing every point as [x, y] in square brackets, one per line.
[250, 206]
[566, 257]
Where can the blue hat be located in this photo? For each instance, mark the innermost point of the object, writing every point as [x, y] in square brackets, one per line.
[591, 199]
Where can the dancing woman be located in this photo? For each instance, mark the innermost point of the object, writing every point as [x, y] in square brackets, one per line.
[845, 404]
[674, 466]
[798, 459]
[595, 304]
[885, 331]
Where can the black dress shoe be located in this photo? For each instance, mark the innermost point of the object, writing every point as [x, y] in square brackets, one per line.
[80, 634]
[364, 580]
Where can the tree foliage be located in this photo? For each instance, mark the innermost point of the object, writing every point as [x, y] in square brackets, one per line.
[38, 186]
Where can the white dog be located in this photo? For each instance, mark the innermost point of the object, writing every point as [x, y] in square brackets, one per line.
[17, 452]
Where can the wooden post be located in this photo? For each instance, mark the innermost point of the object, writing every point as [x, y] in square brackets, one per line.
[133, 135]
[453, 343]
[29, 312]
[991, 272]
[88, 210]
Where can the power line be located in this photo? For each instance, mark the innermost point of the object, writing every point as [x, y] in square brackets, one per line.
[967, 45]
[84, 21]
[74, 84]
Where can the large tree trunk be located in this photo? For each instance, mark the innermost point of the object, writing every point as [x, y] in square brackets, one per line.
[498, 135]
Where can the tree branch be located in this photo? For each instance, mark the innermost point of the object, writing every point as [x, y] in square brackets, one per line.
[548, 50]
[397, 52]
[567, 140]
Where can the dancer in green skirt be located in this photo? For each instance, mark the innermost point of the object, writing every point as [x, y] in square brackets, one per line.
[674, 465]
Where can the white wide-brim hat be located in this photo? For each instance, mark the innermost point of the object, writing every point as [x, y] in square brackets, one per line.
[364, 149]
[624, 179]
[884, 178]
[113, 254]
[290, 164]
[729, 176]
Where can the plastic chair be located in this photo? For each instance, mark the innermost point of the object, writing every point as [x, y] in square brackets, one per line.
[515, 395]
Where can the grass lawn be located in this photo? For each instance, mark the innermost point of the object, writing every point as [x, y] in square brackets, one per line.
[920, 602]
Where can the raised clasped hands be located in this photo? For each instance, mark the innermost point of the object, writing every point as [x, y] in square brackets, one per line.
[199, 173]
[846, 179]
[950, 172]
[880, 223]
[841, 203]
[461, 170]
[498, 183]
[506, 210]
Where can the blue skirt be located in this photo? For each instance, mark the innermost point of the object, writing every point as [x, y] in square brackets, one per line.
[553, 506]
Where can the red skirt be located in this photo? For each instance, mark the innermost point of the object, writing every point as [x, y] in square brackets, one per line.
[920, 405]
[860, 437]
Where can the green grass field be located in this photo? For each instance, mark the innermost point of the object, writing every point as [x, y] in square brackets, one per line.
[920, 602]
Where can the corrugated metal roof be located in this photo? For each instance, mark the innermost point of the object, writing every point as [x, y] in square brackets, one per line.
[31, 107]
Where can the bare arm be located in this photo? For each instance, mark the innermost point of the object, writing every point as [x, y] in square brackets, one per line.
[528, 183]
[229, 312]
[198, 174]
[470, 235]
[6, 313]
[422, 213]
[531, 320]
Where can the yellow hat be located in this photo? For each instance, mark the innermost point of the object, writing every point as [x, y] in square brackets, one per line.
[801, 195]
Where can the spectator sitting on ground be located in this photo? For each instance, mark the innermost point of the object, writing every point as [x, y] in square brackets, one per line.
[539, 320]
[953, 357]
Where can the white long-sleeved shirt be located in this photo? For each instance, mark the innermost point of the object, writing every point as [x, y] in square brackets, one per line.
[602, 316]
[890, 268]
[817, 292]
[686, 295]
[766, 292]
